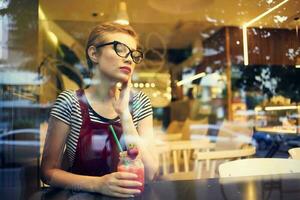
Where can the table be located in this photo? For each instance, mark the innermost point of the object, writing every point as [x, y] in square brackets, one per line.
[284, 187]
[278, 130]
[280, 135]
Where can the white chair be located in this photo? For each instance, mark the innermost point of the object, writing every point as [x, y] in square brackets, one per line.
[212, 159]
[258, 167]
[175, 158]
[295, 153]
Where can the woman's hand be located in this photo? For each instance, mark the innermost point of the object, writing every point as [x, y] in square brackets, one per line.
[118, 184]
[121, 102]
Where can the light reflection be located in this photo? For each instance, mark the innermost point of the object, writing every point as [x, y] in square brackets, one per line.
[141, 85]
[4, 4]
[42, 15]
[280, 19]
[247, 24]
[209, 19]
[293, 53]
[250, 191]
[190, 79]
[52, 37]
[4, 26]
[281, 107]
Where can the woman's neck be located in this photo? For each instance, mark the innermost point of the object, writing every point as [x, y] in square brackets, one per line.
[103, 90]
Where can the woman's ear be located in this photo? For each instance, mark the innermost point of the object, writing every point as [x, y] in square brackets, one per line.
[92, 52]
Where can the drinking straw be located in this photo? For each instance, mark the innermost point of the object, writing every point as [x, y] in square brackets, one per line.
[115, 137]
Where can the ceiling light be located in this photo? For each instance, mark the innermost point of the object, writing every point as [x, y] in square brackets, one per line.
[190, 79]
[122, 16]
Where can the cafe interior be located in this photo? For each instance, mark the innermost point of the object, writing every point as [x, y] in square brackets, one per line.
[222, 78]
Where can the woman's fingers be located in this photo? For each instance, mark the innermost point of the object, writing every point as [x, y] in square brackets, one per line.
[127, 183]
[116, 194]
[122, 190]
[120, 184]
[125, 175]
[126, 84]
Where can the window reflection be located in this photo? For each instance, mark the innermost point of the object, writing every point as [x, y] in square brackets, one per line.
[4, 26]
[204, 80]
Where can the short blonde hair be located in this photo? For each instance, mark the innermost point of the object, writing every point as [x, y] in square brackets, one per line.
[98, 33]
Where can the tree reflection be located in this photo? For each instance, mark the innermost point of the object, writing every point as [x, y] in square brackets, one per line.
[271, 80]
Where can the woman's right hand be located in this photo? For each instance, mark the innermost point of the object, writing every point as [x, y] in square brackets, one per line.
[118, 184]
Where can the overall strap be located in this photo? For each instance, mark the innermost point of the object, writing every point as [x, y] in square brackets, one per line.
[83, 107]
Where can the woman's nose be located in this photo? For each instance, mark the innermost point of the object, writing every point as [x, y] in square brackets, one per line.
[128, 60]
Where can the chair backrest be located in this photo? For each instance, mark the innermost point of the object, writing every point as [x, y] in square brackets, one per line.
[233, 135]
[176, 157]
[194, 127]
[213, 158]
[258, 167]
[168, 137]
[174, 127]
[295, 153]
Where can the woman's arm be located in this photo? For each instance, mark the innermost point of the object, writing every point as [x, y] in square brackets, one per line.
[144, 139]
[142, 136]
[111, 184]
[52, 172]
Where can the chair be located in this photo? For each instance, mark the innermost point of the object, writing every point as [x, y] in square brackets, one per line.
[174, 127]
[192, 128]
[175, 158]
[212, 159]
[168, 137]
[295, 153]
[173, 133]
[258, 167]
[233, 135]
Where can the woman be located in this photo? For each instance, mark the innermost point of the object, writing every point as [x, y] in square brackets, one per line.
[79, 120]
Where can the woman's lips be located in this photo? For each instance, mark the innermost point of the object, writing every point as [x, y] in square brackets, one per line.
[125, 69]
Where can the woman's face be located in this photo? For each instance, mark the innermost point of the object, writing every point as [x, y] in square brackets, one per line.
[111, 64]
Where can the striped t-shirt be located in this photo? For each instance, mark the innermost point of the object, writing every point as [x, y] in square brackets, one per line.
[67, 109]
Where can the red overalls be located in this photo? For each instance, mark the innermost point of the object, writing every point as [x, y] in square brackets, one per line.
[96, 153]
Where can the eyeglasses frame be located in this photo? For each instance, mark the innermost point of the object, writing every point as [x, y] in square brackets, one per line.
[115, 43]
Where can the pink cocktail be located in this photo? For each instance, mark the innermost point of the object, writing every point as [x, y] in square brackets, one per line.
[135, 166]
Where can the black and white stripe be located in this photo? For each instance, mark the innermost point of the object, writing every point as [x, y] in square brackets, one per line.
[67, 109]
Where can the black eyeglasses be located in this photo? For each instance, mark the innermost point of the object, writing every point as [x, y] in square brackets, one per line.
[124, 51]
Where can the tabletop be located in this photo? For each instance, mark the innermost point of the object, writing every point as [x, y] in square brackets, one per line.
[284, 187]
[278, 130]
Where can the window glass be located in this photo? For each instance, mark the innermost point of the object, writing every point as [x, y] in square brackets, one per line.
[224, 72]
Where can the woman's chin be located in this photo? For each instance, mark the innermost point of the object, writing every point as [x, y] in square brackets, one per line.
[124, 79]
